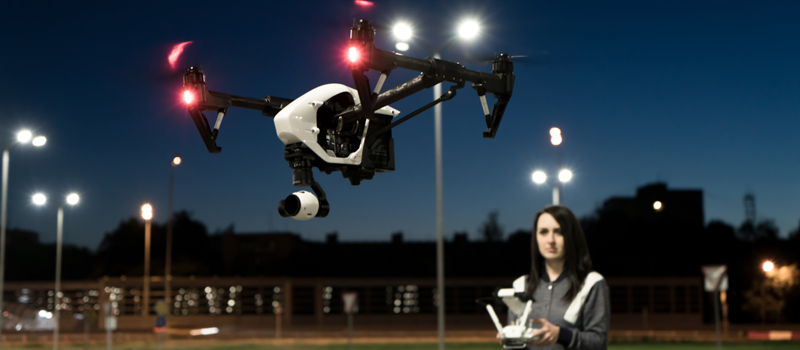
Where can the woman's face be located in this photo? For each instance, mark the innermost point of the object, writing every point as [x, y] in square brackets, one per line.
[549, 238]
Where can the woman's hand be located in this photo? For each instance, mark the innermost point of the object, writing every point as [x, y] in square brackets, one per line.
[548, 331]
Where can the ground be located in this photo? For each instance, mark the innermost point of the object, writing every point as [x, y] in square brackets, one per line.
[424, 346]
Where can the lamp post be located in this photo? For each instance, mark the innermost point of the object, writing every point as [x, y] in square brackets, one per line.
[168, 268]
[556, 140]
[147, 214]
[767, 266]
[23, 137]
[540, 177]
[72, 199]
[467, 30]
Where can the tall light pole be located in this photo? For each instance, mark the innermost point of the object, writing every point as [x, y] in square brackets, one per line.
[72, 199]
[467, 30]
[23, 136]
[767, 266]
[147, 214]
[565, 175]
[168, 268]
[555, 140]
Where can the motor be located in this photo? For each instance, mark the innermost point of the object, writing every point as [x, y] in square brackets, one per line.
[304, 205]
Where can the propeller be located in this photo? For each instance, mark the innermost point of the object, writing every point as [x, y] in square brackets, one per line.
[541, 59]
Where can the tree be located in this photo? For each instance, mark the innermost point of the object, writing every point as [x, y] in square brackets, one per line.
[794, 235]
[193, 251]
[491, 231]
[763, 230]
[770, 294]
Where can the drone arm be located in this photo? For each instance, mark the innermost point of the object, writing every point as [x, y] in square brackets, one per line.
[440, 69]
[268, 106]
[500, 82]
[445, 97]
[404, 90]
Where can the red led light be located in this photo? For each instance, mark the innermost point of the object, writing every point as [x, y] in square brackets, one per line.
[353, 55]
[363, 3]
[188, 97]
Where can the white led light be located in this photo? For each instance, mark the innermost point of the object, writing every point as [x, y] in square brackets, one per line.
[539, 177]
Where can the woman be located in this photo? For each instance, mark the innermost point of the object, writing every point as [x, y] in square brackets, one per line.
[570, 302]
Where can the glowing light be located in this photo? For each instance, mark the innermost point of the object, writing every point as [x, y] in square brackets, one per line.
[176, 161]
[401, 46]
[39, 199]
[402, 31]
[188, 96]
[176, 53]
[24, 136]
[469, 29]
[147, 212]
[768, 266]
[39, 141]
[363, 3]
[353, 55]
[539, 177]
[555, 136]
[657, 205]
[73, 199]
[204, 331]
[564, 175]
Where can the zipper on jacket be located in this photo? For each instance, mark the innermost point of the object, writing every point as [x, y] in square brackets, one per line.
[550, 302]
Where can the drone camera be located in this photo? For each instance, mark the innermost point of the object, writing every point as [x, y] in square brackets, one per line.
[303, 205]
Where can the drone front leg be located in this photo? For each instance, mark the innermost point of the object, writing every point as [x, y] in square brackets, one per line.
[362, 86]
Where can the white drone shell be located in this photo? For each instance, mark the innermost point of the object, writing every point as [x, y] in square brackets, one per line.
[297, 122]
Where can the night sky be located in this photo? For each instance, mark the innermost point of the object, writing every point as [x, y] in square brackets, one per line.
[700, 95]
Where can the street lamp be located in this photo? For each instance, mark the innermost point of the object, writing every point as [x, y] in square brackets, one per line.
[540, 177]
[147, 214]
[168, 265]
[23, 137]
[72, 199]
[768, 267]
[555, 136]
[658, 206]
[467, 30]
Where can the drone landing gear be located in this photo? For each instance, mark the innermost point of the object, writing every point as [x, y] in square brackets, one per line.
[445, 97]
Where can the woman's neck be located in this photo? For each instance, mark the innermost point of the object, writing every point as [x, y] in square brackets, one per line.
[554, 268]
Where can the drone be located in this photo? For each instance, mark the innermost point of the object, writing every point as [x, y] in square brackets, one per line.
[338, 128]
[517, 334]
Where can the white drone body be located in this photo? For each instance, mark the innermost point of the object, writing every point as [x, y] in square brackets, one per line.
[297, 122]
[517, 334]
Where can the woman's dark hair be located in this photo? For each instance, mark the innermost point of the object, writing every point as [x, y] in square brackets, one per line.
[577, 262]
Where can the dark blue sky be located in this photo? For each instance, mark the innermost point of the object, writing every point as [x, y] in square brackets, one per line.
[699, 95]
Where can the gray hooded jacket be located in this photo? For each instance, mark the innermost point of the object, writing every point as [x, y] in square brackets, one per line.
[590, 329]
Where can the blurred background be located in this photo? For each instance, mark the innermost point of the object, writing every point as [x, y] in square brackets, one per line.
[668, 127]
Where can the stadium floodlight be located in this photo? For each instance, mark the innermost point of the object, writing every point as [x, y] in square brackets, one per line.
[24, 136]
[469, 29]
[402, 31]
[539, 177]
[564, 175]
[39, 199]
